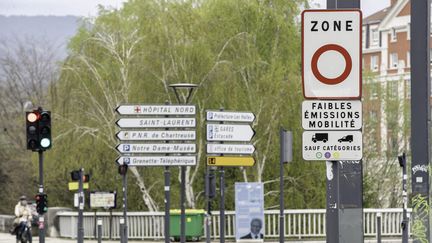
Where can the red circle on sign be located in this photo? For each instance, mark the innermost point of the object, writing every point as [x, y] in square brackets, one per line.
[340, 78]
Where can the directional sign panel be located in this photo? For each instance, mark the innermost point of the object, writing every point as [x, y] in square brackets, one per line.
[230, 148]
[230, 161]
[332, 145]
[156, 135]
[156, 110]
[157, 160]
[225, 132]
[161, 148]
[332, 115]
[74, 186]
[230, 116]
[155, 122]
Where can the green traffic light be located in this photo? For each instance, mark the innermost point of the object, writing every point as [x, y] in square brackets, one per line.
[45, 142]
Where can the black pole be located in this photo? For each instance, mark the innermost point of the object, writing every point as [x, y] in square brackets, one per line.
[222, 205]
[41, 190]
[167, 204]
[420, 104]
[285, 156]
[167, 189]
[80, 207]
[125, 225]
[405, 222]
[110, 224]
[99, 230]
[344, 207]
[207, 197]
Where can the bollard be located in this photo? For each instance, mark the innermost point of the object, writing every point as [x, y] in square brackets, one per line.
[121, 230]
[99, 230]
[378, 227]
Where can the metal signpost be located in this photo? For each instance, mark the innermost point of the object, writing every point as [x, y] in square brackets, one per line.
[286, 141]
[217, 134]
[331, 70]
[144, 122]
[405, 221]
[80, 207]
[420, 104]
[186, 98]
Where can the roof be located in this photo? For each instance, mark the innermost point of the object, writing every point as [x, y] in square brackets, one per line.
[377, 17]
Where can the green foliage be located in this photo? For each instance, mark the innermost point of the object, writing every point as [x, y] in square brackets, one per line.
[421, 211]
[244, 54]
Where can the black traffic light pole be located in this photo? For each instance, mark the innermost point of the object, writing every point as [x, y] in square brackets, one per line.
[405, 221]
[41, 191]
[80, 207]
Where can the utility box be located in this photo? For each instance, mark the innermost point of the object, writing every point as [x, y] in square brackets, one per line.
[194, 224]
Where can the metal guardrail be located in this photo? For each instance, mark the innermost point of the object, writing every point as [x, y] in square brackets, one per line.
[303, 223]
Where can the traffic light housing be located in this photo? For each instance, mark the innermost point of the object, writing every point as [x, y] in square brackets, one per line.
[38, 129]
[41, 203]
[76, 174]
[122, 169]
[402, 160]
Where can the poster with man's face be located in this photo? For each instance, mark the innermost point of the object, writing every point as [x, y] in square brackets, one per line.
[249, 205]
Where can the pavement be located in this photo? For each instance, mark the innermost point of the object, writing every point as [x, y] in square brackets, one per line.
[7, 238]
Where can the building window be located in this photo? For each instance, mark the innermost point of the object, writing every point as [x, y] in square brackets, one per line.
[393, 60]
[374, 63]
[374, 37]
[408, 59]
[393, 35]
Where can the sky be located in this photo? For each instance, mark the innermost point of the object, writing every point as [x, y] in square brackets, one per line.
[85, 8]
[88, 8]
[368, 6]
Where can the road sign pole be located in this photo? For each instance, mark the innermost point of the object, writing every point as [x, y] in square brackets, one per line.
[207, 197]
[420, 104]
[285, 138]
[222, 205]
[125, 225]
[41, 190]
[344, 209]
[190, 88]
[405, 222]
[80, 237]
[167, 204]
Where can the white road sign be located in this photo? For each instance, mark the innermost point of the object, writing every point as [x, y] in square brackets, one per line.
[331, 51]
[230, 116]
[332, 145]
[102, 199]
[161, 148]
[225, 132]
[230, 148]
[156, 110]
[157, 160]
[155, 122]
[332, 115]
[156, 135]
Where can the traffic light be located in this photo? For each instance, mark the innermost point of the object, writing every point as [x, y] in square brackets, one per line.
[402, 160]
[41, 203]
[76, 174]
[122, 169]
[38, 124]
[32, 124]
[45, 130]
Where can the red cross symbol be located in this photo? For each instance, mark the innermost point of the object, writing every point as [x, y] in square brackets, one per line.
[137, 109]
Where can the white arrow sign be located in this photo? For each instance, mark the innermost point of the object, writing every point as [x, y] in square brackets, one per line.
[156, 110]
[230, 116]
[156, 135]
[157, 148]
[223, 132]
[230, 148]
[157, 160]
[155, 122]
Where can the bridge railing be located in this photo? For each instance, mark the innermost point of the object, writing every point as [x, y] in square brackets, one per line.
[303, 223]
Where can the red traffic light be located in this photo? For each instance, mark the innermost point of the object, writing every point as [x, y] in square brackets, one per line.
[33, 116]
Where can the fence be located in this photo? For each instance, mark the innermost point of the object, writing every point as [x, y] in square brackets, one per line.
[304, 223]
